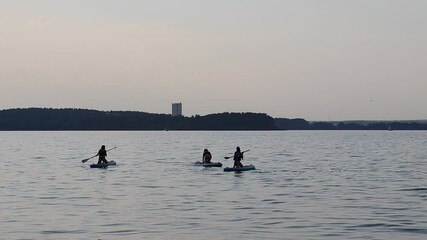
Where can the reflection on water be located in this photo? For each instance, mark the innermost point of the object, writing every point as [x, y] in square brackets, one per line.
[308, 185]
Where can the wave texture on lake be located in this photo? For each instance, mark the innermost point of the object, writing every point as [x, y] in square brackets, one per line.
[308, 185]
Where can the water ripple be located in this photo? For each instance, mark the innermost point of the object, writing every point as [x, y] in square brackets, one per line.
[310, 185]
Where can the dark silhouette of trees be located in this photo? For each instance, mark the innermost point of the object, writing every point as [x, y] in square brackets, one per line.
[301, 124]
[292, 124]
[83, 119]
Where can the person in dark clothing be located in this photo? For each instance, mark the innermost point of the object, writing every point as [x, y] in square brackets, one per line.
[238, 156]
[102, 153]
[207, 156]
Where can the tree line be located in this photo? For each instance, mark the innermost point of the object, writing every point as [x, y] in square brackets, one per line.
[301, 124]
[84, 119]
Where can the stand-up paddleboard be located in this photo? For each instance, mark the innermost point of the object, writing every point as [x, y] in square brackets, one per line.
[240, 169]
[103, 165]
[212, 164]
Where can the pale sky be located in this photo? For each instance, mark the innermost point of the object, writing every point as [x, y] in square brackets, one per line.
[314, 59]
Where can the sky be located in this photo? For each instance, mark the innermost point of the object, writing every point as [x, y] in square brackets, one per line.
[311, 59]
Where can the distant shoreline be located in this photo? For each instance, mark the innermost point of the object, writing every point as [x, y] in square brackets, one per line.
[71, 119]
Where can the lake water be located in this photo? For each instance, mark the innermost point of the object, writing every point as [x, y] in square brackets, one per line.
[308, 185]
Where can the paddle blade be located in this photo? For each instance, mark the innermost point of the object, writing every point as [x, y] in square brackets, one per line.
[87, 159]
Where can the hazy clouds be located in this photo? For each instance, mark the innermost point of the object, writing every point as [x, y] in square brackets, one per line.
[313, 59]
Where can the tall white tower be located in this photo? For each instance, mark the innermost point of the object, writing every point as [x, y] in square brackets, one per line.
[176, 109]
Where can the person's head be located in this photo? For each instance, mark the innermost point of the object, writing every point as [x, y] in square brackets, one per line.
[103, 147]
[238, 149]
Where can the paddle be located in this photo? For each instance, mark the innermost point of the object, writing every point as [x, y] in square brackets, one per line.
[87, 159]
[233, 155]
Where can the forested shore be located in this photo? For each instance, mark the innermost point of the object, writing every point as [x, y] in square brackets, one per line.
[84, 119]
[301, 124]
[50, 119]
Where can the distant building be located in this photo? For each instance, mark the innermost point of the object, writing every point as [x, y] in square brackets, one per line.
[176, 109]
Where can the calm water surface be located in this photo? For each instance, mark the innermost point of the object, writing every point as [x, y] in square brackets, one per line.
[308, 185]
